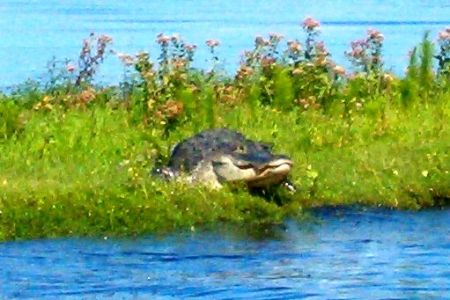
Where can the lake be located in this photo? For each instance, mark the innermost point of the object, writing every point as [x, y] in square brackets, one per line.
[337, 254]
[34, 31]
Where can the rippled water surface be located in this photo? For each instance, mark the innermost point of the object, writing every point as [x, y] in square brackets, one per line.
[33, 31]
[344, 254]
[339, 254]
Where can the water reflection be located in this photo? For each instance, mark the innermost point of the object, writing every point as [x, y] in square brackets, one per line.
[345, 254]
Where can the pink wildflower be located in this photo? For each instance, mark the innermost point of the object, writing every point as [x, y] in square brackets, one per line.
[339, 70]
[86, 47]
[162, 39]
[375, 35]
[275, 37]
[357, 52]
[267, 61]
[179, 63]
[294, 46]
[212, 43]
[358, 48]
[444, 35]
[359, 44]
[126, 59]
[70, 68]
[104, 39]
[310, 23]
[320, 48]
[260, 41]
[190, 47]
[175, 38]
[244, 71]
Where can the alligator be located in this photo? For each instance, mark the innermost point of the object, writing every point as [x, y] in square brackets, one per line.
[218, 156]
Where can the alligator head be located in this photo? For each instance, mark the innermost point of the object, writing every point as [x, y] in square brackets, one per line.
[257, 171]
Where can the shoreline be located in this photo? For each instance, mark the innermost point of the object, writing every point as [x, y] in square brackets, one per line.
[76, 157]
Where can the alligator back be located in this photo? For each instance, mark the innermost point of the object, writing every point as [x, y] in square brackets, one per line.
[187, 154]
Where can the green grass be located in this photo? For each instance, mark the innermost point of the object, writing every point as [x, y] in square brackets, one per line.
[85, 172]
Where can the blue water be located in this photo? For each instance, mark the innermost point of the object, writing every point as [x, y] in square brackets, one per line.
[34, 31]
[337, 254]
[341, 254]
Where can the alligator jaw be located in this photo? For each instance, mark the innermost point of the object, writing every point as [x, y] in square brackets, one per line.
[280, 166]
[215, 171]
[272, 173]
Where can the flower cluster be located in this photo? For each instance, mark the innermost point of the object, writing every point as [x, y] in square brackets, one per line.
[365, 54]
[174, 52]
[79, 99]
[70, 67]
[321, 54]
[92, 53]
[212, 43]
[170, 110]
[126, 59]
[308, 103]
[294, 46]
[312, 28]
[265, 53]
[310, 24]
[244, 72]
[444, 35]
[163, 39]
[443, 55]
[299, 74]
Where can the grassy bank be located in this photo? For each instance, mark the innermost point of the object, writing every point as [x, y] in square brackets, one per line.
[75, 158]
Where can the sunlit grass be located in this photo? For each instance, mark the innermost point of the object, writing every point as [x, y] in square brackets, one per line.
[87, 172]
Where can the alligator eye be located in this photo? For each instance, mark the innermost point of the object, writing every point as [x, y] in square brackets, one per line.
[240, 149]
[267, 146]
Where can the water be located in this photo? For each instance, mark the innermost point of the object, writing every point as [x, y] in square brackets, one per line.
[34, 31]
[340, 254]
[348, 254]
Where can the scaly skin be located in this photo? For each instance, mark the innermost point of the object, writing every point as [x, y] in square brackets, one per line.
[216, 156]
